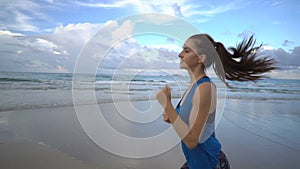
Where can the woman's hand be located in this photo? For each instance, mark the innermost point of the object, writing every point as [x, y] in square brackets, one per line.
[166, 118]
[164, 96]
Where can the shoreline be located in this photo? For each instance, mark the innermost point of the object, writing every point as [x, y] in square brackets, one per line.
[99, 102]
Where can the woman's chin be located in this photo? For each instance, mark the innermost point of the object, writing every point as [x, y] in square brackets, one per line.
[182, 66]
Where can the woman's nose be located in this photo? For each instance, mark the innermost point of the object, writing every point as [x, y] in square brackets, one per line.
[180, 55]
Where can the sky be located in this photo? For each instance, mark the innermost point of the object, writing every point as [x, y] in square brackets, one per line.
[50, 35]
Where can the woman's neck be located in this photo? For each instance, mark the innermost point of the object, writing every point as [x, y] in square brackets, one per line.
[196, 75]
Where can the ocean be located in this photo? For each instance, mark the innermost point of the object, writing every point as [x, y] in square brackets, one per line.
[24, 90]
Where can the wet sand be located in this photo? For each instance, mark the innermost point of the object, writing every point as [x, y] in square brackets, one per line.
[260, 134]
[24, 153]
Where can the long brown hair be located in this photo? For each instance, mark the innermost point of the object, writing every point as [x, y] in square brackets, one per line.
[243, 64]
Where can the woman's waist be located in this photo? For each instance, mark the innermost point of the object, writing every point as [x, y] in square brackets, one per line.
[209, 142]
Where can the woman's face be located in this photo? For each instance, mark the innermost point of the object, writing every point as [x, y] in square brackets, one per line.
[188, 58]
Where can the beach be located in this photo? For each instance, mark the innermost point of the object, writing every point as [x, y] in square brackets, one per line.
[39, 128]
[53, 138]
[56, 134]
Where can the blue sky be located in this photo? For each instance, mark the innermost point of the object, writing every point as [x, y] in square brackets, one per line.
[31, 28]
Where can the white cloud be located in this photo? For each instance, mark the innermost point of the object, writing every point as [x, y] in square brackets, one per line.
[275, 3]
[267, 47]
[23, 22]
[43, 44]
[30, 15]
[117, 4]
[9, 33]
[125, 30]
[179, 8]
[212, 10]
[144, 58]
[20, 15]
[58, 51]
[45, 52]
[128, 54]
[142, 6]
[291, 73]
[171, 47]
[202, 20]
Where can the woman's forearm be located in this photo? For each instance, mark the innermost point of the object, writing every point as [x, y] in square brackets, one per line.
[182, 129]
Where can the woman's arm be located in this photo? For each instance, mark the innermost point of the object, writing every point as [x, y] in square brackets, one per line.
[200, 108]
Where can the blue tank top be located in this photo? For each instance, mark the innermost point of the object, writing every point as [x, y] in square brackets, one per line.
[205, 154]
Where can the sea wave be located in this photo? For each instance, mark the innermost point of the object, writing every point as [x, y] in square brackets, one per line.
[39, 90]
[19, 80]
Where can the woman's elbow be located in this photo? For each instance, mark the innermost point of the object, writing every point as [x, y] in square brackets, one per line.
[191, 141]
[192, 144]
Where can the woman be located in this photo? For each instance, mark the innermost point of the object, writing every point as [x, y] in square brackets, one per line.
[193, 118]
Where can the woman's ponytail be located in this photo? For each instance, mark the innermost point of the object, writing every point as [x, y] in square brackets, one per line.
[243, 64]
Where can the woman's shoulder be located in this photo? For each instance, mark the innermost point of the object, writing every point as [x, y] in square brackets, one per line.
[205, 88]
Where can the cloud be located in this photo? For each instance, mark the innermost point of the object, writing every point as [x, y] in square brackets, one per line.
[180, 8]
[142, 6]
[117, 4]
[9, 33]
[287, 43]
[28, 54]
[275, 3]
[128, 54]
[288, 62]
[177, 10]
[124, 30]
[283, 58]
[212, 10]
[245, 34]
[32, 16]
[54, 52]
[143, 58]
[20, 15]
[58, 51]
[171, 47]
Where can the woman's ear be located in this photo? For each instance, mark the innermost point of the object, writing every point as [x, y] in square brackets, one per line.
[202, 58]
